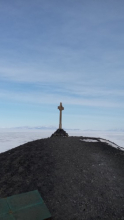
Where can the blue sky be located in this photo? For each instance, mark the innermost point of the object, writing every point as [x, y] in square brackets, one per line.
[69, 51]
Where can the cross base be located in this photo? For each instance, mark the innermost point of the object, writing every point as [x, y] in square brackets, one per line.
[60, 133]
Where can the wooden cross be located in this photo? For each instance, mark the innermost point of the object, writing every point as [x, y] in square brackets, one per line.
[60, 117]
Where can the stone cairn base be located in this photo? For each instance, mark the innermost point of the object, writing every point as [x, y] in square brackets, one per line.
[60, 133]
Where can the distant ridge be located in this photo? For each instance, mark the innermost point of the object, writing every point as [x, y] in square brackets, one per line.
[54, 127]
[38, 128]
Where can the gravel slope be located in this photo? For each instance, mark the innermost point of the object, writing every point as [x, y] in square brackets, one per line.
[77, 180]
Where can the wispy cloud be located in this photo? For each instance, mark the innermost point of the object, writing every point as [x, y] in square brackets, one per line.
[53, 98]
[62, 51]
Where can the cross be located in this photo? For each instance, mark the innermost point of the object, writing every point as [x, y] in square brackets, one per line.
[60, 117]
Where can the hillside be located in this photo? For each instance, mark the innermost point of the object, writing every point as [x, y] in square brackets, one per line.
[77, 180]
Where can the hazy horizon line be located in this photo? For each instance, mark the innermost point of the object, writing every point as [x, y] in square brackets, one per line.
[54, 127]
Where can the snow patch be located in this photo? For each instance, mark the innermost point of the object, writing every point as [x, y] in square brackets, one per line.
[111, 144]
[103, 140]
[88, 140]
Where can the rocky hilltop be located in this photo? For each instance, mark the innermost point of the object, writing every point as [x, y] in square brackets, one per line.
[76, 179]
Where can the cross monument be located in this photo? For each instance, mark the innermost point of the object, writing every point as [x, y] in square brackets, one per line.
[60, 117]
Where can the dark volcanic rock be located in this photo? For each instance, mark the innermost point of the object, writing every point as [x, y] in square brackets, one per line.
[77, 180]
[60, 133]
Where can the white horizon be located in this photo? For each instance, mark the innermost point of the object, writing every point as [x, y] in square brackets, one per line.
[11, 138]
